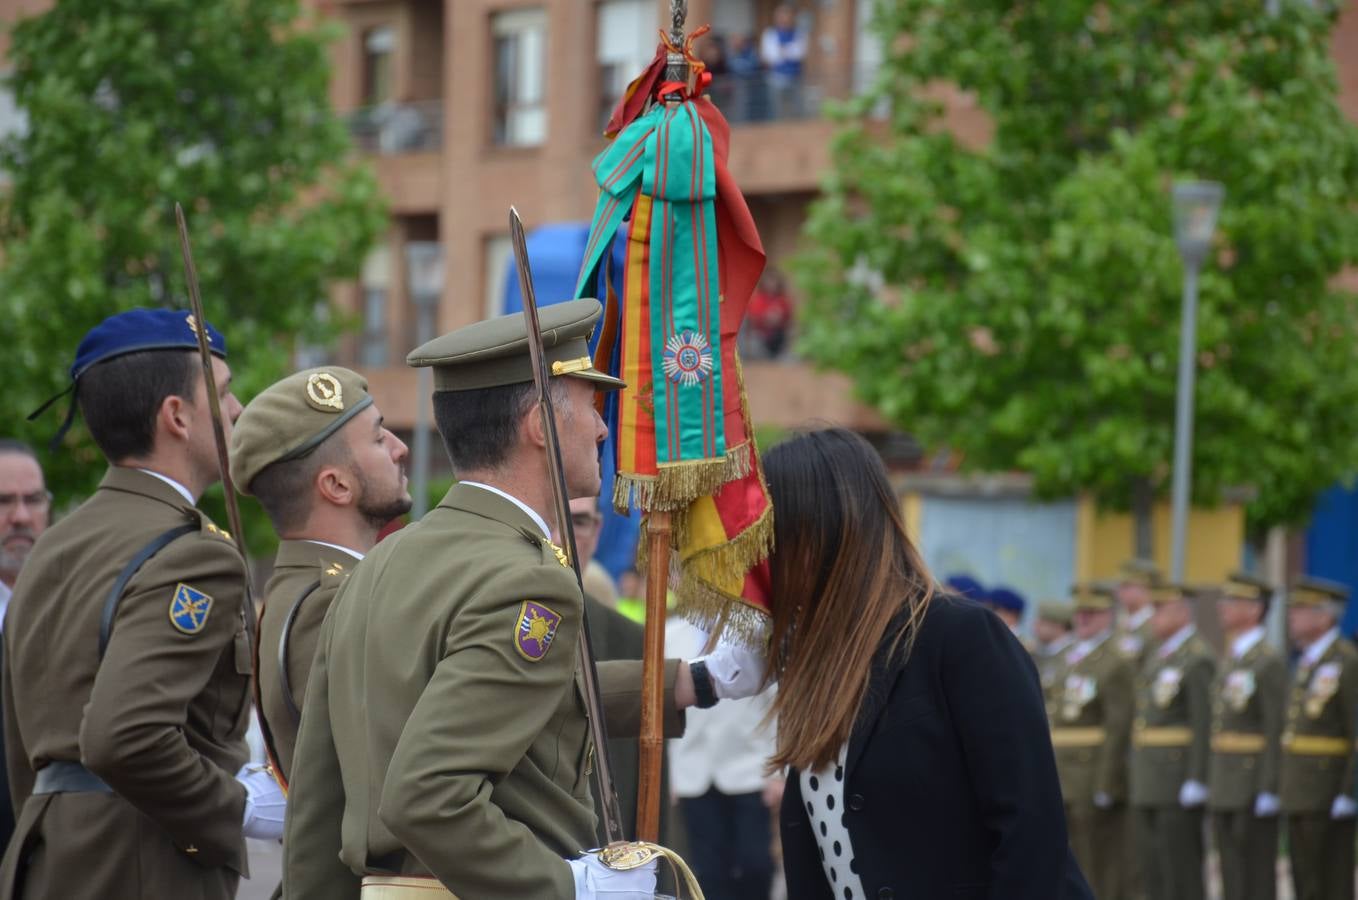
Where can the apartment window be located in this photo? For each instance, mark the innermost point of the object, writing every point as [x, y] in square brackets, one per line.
[379, 50]
[625, 41]
[497, 254]
[376, 284]
[520, 56]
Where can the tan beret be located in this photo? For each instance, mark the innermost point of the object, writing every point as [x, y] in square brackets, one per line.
[292, 417]
[494, 352]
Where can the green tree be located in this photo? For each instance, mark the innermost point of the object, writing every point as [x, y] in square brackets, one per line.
[132, 105]
[1019, 301]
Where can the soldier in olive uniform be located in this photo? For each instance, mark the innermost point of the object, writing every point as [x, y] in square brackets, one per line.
[444, 748]
[1318, 744]
[1170, 746]
[1091, 734]
[1135, 582]
[1249, 694]
[313, 450]
[127, 650]
[1052, 629]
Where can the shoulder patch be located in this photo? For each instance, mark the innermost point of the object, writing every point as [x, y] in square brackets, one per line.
[535, 630]
[189, 608]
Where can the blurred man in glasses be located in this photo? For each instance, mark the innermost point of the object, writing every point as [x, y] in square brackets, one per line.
[24, 505]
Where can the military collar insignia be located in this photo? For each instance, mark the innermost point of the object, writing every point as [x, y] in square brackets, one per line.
[323, 392]
[535, 630]
[334, 569]
[189, 608]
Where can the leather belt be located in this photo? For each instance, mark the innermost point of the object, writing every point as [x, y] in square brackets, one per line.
[64, 777]
[1315, 745]
[1079, 737]
[403, 887]
[1238, 742]
[1178, 736]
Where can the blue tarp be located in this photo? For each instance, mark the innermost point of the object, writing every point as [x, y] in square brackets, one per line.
[1332, 545]
[556, 252]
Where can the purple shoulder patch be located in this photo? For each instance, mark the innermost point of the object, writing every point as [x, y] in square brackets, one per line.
[536, 630]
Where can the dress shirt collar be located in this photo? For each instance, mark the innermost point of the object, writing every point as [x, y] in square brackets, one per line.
[5, 593]
[354, 553]
[1139, 618]
[1312, 654]
[1089, 645]
[1176, 640]
[532, 513]
[1245, 643]
[183, 491]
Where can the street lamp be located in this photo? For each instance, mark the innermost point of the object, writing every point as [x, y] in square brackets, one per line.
[424, 282]
[1196, 204]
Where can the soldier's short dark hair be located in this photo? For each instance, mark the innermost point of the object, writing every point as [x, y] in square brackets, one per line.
[480, 427]
[284, 488]
[121, 397]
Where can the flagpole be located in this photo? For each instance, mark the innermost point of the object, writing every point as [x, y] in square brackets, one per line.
[658, 532]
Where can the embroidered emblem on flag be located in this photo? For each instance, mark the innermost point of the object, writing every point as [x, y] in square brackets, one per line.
[688, 358]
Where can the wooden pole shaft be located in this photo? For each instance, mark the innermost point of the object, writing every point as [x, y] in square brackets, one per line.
[652, 738]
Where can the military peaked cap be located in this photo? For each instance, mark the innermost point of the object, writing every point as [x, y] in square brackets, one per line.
[1310, 591]
[494, 352]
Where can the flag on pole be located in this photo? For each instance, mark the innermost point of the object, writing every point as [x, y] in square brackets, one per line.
[684, 439]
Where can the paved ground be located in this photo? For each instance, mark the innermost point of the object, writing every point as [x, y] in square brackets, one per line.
[266, 860]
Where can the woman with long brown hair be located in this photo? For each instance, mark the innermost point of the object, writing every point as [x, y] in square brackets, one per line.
[911, 722]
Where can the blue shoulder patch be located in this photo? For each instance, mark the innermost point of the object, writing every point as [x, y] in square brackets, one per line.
[189, 608]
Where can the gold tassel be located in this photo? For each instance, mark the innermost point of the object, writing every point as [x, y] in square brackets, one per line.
[677, 485]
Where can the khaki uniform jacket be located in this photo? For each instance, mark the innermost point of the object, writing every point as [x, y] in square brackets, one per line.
[305, 577]
[1318, 738]
[1051, 670]
[438, 739]
[1172, 736]
[1135, 643]
[161, 720]
[1093, 725]
[1249, 696]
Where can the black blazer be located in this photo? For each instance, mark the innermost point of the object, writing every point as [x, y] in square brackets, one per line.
[950, 784]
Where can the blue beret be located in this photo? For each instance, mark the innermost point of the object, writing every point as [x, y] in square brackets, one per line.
[1004, 598]
[142, 329]
[966, 586]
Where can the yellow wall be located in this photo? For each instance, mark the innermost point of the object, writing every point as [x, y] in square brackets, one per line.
[1105, 540]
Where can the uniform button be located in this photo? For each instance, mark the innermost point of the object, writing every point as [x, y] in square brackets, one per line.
[190, 849]
[856, 804]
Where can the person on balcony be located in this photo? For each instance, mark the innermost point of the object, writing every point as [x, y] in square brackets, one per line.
[783, 50]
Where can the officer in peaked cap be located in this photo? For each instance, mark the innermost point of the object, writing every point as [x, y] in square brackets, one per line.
[1318, 743]
[1249, 698]
[314, 451]
[1091, 733]
[127, 650]
[444, 746]
[1170, 746]
[1054, 637]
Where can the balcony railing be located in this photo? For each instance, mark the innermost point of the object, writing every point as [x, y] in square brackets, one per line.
[766, 97]
[393, 128]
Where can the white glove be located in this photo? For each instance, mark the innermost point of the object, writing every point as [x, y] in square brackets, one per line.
[1266, 806]
[1343, 807]
[596, 881]
[736, 670]
[1103, 801]
[1193, 794]
[264, 803]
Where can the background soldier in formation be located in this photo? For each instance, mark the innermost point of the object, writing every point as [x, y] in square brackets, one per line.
[1170, 743]
[1054, 637]
[1318, 744]
[127, 653]
[314, 451]
[1249, 694]
[1091, 735]
[1135, 581]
